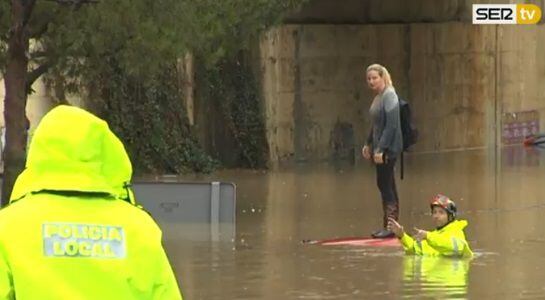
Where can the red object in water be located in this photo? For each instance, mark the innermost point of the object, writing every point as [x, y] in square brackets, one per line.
[534, 139]
[529, 141]
[357, 241]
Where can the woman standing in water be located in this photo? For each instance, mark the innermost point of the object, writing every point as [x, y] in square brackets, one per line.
[385, 142]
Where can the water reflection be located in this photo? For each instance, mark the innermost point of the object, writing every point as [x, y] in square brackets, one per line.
[501, 197]
[437, 277]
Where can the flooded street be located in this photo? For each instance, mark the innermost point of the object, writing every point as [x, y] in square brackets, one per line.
[502, 197]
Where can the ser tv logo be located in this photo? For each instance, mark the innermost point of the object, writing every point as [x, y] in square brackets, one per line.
[506, 14]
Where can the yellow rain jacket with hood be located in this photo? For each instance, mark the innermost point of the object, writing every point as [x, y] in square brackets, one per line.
[72, 230]
[447, 241]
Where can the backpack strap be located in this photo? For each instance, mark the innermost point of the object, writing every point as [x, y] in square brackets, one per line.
[402, 164]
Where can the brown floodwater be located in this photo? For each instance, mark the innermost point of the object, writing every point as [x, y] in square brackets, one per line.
[502, 195]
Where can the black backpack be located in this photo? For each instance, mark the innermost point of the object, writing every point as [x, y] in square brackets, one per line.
[408, 131]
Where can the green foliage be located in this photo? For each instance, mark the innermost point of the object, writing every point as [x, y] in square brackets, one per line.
[116, 52]
[232, 87]
[222, 28]
[4, 28]
[151, 121]
[142, 34]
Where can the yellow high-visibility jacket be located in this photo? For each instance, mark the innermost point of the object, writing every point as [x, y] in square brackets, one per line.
[71, 231]
[447, 241]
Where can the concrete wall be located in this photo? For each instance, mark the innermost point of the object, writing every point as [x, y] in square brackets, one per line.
[390, 11]
[378, 11]
[452, 84]
[458, 77]
[521, 69]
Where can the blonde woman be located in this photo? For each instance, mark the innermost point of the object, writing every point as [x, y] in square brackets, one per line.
[385, 142]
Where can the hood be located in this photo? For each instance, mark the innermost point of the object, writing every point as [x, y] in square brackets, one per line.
[73, 150]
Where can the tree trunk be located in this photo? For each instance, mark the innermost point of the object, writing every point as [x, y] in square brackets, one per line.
[16, 95]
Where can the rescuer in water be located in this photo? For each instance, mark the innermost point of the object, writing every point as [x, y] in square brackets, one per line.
[448, 238]
[72, 229]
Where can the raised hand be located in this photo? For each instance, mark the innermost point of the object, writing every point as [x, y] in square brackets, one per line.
[395, 227]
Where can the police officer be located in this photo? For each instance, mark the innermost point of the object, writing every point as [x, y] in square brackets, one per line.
[72, 230]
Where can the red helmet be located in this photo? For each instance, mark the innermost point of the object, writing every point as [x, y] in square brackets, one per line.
[444, 202]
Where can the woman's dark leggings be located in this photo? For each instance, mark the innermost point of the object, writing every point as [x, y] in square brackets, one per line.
[387, 185]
